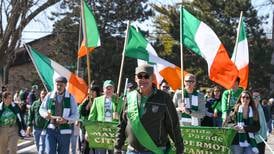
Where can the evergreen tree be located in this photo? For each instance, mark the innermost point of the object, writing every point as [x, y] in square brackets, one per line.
[111, 17]
[222, 16]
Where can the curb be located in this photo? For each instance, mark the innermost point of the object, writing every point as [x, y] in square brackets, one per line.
[26, 143]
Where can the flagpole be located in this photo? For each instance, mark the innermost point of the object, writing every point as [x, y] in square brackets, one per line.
[123, 59]
[88, 60]
[79, 45]
[237, 38]
[182, 51]
[28, 50]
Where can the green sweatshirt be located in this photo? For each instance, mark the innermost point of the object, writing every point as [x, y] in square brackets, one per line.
[232, 96]
[97, 110]
[35, 118]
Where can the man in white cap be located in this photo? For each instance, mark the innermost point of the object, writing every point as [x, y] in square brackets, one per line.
[60, 109]
[106, 108]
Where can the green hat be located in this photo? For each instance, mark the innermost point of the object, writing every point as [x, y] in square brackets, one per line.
[108, 83]
[34, 87]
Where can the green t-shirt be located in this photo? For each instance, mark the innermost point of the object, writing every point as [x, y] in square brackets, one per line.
[233, 97]
[8, 118]
[142, 105]
[217, 106]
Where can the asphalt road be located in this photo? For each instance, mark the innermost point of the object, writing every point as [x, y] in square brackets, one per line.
[28, 150]
[31, 149]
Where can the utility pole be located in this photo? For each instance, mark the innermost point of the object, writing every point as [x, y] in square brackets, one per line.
[272, 59]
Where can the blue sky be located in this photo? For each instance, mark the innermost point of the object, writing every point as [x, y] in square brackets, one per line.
[42, 26]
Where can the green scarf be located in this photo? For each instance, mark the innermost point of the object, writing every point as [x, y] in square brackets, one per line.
[192, 105]
[137, 127]
[246, 139]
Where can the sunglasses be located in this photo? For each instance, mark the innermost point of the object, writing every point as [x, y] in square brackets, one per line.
[145, 76]
[256, 97]
[245, 97]
[189, 81]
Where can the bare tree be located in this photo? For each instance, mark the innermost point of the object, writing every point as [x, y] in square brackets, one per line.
[15, 16]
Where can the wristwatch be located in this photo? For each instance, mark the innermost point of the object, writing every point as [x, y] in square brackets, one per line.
[189, 111]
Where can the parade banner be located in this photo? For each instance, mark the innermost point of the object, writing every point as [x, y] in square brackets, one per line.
[202, 140]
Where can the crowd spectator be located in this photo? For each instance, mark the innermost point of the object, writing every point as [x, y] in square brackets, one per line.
[60, 108]
[37, 123]
[11, 124]
[261, 135]
[191, 109]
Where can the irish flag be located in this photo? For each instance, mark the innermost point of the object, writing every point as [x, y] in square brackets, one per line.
[240, 55]
[91, 38]
[202, 40]
[84, 49]
[138, 47]
[49, 70]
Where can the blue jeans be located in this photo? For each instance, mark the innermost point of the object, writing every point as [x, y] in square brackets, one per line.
[236, 149]
[39, 140]
[73, 142]
[269, 126]
[103, 151]
[136, 152]
[56, 142]
[218, 121]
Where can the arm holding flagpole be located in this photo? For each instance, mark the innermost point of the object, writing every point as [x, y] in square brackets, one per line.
[122, 61]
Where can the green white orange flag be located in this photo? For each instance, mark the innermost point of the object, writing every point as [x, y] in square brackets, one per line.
[240, 55]
[202, 40]
[138, 47]
[91, 37]
[49, 70]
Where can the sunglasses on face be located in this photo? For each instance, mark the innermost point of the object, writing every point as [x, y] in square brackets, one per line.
[143, 76]
[245, 97]
[256, 97]
[189, 81]
[165, 87]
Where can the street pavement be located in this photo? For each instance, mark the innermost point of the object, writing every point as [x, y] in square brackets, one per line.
[270, 142]
[31, 149]
[28, 146]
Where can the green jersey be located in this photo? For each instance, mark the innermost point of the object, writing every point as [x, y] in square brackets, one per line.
[8, 118]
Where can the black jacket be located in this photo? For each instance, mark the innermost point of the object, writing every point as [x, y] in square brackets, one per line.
[159, 119]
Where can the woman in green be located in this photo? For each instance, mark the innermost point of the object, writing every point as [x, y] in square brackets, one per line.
[10, 122]
[246, 120]
[217, 106]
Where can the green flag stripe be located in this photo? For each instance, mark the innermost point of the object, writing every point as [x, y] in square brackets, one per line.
[242, 34]
[91, 30]
[136, 46]
[43, 65]
[189, 28]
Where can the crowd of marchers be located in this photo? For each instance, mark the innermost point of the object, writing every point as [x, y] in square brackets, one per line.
[147, 115]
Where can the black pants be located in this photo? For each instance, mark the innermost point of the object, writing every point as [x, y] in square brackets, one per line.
[261, 147]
